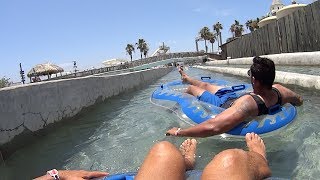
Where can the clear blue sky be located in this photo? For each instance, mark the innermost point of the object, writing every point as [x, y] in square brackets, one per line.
[90, 31]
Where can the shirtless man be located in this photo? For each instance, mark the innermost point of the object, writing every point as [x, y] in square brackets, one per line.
[264, 96]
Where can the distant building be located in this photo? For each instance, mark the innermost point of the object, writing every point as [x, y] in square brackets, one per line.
[275, 7]
[114, 62]
[163, 49]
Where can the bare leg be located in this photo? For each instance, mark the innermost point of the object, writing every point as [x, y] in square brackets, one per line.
[194, 90]
[165, 161]
[238, 164]
[203, 85]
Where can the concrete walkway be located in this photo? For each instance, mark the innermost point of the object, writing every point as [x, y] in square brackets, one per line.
[308, 81]
[293, 59]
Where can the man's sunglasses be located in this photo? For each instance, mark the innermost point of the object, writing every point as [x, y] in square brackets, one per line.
[249, 73]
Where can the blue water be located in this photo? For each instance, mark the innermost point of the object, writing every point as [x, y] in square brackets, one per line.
[115, 135]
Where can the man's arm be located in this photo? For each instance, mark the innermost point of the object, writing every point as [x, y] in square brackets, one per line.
[289, 96]
[242, 109]
[75, 175]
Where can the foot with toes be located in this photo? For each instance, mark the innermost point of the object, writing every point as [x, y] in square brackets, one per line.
[256, 144]
[188, 150]
[184, 76]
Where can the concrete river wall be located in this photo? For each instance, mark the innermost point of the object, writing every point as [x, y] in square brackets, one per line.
[34, 106]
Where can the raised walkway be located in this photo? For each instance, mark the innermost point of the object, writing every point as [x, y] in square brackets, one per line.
[292, 59]
[304, 80]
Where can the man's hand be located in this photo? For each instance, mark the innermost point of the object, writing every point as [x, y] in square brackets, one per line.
[81, 174]
[173, 132]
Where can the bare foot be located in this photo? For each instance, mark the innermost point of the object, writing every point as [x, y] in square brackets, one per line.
[256, 144]
[188, 150]
[184, 76]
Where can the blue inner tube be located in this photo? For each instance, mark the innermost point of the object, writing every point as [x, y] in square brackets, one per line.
[171, 94]
[190, 175]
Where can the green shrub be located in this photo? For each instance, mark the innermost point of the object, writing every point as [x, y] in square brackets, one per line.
[4, 82]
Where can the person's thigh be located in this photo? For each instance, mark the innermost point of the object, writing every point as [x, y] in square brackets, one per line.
[212, 88]
[164, 161]
[195, 90]
[229, 164]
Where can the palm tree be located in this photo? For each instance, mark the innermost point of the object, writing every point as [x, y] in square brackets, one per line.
[255, 24]
[249, 25]
[141, 45]
[236, 29]
[252, 25]
[212, 38]
[218, 27]
[232, 29]
[130, 49]
[204, 33]
[145, 50]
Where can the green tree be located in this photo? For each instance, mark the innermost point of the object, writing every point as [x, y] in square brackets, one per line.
[145, 50]
[130, 49]
[212, 38]
[205, 33]
[218, 27]
[236, 29]
[141, 44]
[252, 25]
[249, 26]
[4, 82]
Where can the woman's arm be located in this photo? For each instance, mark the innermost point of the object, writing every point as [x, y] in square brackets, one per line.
[289, 96]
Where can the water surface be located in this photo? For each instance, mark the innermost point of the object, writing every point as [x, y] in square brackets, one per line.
[115, 135]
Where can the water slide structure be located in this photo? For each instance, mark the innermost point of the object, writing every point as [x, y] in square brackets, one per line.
[163, 49]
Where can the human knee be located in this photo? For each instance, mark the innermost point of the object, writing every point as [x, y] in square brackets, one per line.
[205, 85]
[190, 87]
[163, 146]
[231, 157]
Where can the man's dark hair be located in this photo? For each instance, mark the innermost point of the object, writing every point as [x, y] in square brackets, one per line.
[263, 69]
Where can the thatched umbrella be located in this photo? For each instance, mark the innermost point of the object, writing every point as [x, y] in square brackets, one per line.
[44, 69]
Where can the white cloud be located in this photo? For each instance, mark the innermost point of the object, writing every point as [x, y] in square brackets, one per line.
[68, 66]
[196, 10]
[172, 42]
[223, 12]
[306, 1]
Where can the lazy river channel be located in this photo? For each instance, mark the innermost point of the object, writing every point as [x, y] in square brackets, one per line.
[115, 136]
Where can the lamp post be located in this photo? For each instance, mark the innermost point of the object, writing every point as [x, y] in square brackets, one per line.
[75, 67]
[22, 74]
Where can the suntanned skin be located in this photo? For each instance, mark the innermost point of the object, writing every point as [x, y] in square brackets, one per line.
[242, 109]
[165, 161]
[75, 175]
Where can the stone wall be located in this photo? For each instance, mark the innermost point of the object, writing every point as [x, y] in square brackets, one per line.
[34, 106]
[166, 56]
[132, 64]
